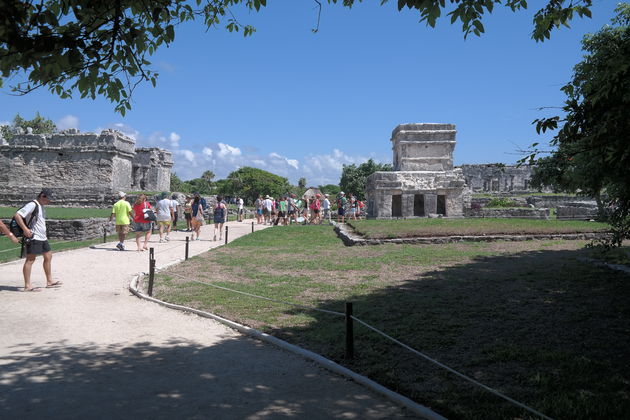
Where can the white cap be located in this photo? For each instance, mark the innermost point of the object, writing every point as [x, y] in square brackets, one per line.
[121, 194]
[342, 193]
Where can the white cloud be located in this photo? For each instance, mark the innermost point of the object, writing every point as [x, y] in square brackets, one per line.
[226, 150]
[69, 121]
[187, 154]
[174, 139]
[207, 151]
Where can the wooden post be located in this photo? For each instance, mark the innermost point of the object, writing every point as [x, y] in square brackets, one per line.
[187, 243]
[151, 276]
[226, 235]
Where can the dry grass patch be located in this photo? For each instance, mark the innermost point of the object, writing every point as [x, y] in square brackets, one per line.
[527, 318]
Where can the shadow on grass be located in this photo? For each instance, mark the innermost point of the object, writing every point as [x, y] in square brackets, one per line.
[542, 327]
[179, 379]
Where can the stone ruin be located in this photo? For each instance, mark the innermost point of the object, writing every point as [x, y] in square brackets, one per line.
[423, 182]
[496, 177]
[84, 169]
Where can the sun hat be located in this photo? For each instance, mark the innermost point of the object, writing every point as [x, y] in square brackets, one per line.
[342, 193]
[325, 195]
[318, 195]
[267, 196]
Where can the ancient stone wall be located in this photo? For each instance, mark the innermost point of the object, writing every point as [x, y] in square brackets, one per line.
[494, 177]
[423, 182]
[83, 169]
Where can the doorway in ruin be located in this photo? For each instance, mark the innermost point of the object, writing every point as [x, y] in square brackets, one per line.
[397, 205]
[441, 205]
[418, 205]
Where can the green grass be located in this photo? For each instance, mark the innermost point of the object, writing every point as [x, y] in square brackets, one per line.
[62, 213]
[10, 251]
[478, 226]
[527, 318]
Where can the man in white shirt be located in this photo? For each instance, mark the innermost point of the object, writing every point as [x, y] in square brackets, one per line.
[326, 207]
[32, 219]
[175, 205]
[239, 204]
[164, 215]
[267, 206]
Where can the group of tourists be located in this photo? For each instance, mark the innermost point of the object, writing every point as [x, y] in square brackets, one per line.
[289, 209]
[164, 215]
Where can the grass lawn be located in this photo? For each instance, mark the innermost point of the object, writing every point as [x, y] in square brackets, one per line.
[409, 228]
[10, 251]
[62, 213]
[527, 318]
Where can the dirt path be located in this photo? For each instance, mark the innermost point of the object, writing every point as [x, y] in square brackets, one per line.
[90, 349]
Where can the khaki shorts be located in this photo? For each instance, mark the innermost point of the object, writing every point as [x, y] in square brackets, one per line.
[164, 222]
[124, 229]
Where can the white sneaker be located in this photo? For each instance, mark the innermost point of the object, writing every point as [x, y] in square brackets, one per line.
[167, 239]
[161, 240]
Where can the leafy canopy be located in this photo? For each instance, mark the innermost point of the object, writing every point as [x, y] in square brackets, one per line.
[248, 183]
[101, 48]
[353, 177]
[39, 124]
[593, 139]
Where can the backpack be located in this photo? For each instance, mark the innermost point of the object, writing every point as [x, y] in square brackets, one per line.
[149, 215]
[16, 230]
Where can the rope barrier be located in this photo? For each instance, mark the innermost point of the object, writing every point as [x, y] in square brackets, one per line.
[310, 308]
[453, 371]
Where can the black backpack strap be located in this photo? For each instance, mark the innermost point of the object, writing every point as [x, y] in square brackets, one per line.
[34, 214]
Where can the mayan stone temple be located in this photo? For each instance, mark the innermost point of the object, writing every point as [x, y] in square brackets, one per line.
[84, 169]
[423, 182]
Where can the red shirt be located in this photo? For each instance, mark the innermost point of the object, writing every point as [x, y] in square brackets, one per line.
[138, 215]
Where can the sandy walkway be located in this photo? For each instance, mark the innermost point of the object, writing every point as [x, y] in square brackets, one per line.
[90, 349]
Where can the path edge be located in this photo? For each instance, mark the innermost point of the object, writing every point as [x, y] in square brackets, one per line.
[327, 364]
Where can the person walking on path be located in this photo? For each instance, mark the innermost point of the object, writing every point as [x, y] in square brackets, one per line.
[240, 208]
[176, 206]
[188, 213]
[140, 222]
[316, 206]
[122, 211]
[218, 217]
[326, 208]
[164, 210]
[341, 207]
[7, 232]
[258, 204]
[197, 216]
[267, 206]
[35, 238]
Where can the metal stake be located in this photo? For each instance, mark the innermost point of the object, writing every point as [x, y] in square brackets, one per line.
[104, 233]
[252, 227]
[187, 243]
[226, 235]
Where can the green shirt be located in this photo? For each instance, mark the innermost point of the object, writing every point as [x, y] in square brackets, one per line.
[283, 205]
[121, 209]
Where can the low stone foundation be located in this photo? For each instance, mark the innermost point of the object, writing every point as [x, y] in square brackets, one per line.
[77, 229]
[508, 212]
[349, 238]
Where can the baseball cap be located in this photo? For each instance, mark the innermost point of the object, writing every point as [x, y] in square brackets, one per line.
[48, 193]
[121, 194]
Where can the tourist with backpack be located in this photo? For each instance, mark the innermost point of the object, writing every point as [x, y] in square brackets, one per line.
[35, 239]
[143, 218]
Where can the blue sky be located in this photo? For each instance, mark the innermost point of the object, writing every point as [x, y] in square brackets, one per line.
[300, 104]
